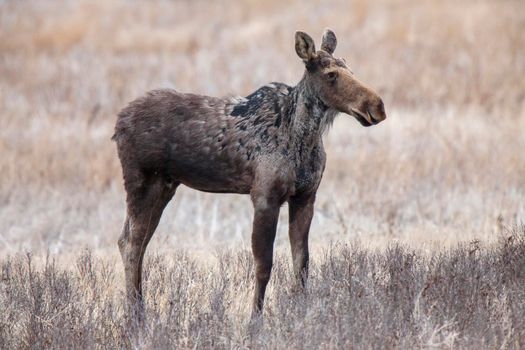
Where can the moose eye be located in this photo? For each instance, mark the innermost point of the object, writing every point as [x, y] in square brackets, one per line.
[331, 76]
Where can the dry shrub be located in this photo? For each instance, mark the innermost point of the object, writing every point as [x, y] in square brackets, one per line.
[471, 296]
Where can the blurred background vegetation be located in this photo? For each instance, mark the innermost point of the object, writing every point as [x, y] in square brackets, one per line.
[447, 165]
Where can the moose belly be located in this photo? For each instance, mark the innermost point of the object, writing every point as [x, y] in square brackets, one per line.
[210, 171]
[216, 180]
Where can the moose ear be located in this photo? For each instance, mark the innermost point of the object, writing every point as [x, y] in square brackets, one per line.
[304, 46]
[329, 41]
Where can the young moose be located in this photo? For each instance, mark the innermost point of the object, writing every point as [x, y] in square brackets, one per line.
[268, 145]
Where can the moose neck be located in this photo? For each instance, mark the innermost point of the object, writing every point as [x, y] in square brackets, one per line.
[309, 118]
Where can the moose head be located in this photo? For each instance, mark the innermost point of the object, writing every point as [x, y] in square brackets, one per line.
[334, 83]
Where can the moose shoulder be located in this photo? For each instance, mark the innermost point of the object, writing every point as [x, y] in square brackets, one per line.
[268, 145]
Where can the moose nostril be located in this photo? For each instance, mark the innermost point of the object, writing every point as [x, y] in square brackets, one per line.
[377, 114]
[380, 111]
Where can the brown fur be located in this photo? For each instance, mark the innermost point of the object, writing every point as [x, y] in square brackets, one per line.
[268, 145]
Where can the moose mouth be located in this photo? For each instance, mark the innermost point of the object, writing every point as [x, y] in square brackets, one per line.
[365, 119]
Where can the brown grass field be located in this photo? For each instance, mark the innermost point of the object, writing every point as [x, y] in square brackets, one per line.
[418, 238]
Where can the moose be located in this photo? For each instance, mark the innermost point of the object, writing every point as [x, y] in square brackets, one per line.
[268, 145]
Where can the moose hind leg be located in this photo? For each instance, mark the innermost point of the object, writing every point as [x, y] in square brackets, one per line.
[145, 206]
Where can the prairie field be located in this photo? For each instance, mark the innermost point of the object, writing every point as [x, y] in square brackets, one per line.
[418, 238]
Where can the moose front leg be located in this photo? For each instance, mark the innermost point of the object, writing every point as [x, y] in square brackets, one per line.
[263, 236]
[301, 211]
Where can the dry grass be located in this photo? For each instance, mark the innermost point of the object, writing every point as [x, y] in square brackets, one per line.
[447, 166]
[471, 296]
